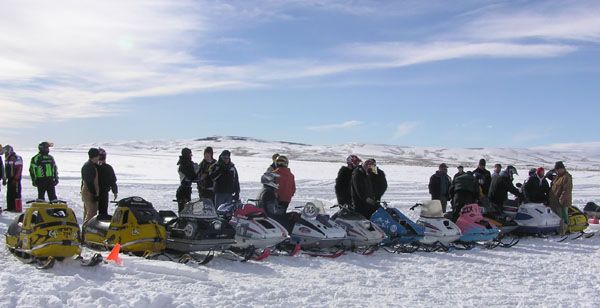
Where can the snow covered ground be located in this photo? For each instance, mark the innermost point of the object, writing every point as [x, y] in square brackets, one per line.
[536, 272]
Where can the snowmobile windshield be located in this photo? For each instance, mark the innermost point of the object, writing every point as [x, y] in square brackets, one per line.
[432, 208]
[314, 208]
[202, 208]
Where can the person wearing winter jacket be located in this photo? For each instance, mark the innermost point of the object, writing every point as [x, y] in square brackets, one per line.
[501, 186]
[439, 186]
[464, 190]
[206, 186]
[273, 166]
[13, 168]
[90, 185]
[536, 188]
[379, 181]
[225, 176]
[484, 176]
[562, 191]
[497, 170]
[43, 172]
[364, 200]
[188, 171]
[287, 182]
[344, 178]
[108, 182]
[461, 171]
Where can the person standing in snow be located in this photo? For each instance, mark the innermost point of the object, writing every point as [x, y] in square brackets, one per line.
[501, 186]
[43, 172]
[439, 186]
[2, 176]
[378, 180]
[364, 199]
[463, 191]
[90, 185]
[206, 186]
[286, 182]
[536, 188]
[562, 193]
[497, 170]
[343, 182]
[273, 166]
[188, 171]
[461, 171]
[12, 177]
[108, 182]
[225, 176]
[484, 176]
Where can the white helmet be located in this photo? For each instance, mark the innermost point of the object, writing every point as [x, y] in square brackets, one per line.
[270, 179]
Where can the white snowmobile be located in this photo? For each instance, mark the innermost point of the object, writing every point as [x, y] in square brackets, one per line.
[536, 219]
[364, 236]
[440, 232]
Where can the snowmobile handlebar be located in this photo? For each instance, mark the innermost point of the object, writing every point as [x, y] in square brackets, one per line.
[415, 206]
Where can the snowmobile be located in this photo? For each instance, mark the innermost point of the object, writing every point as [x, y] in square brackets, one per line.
[578, 222]
[536, 219]
[197, 229]
[255, 233]
[135, 225]
[364, 235]
[475, 228]
[439, 232]
[403, 235]
[592, 209]
[46, 232]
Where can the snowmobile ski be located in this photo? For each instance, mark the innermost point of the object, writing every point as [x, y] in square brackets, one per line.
[45, 264]
[93, 261]
[325, 254]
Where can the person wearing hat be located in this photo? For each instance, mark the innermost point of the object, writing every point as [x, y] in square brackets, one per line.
[44, 172]
[206, 185]
[497, 170]
[344, 179]
[225, 176]
[273, 166]
[562, 192]
[188, 172]
[484, 176]
[90, 187]
[108, 182]
[287, 183]
[461, 171]
[13, 169]
[439, 186]
[536, 188]
[501, 186]
[364, 200]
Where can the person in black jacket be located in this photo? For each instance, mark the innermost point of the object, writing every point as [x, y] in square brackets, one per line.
[188, 171]
[439, 186]
[378, 180]
[108, 182]
[461, 171]
[484, 175]
[343, 182]
[501, 186]
[225, 176]
[536, 188]
[206, 186]
[89, 185]
[364, 199]
[43, 172]
[464, 190]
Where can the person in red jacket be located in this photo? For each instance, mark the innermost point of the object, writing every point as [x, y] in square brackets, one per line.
[14, 169]
[287, 182]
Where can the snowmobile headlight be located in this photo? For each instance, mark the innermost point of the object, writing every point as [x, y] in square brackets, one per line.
[52, 233]
[135, 231]
[217, 225]
[366, 224]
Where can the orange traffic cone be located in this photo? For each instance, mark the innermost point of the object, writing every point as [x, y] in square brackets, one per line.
[593, 220]
[114, 254]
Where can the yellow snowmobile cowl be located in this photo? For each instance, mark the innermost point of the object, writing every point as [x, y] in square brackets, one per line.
[45, 230]
[126, 230]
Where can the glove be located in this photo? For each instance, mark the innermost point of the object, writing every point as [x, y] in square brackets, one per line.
[55, 182]
[115, 195]
[370, 201]
[33, 183]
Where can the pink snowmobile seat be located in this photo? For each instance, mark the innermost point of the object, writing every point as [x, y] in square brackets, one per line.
[249, 210]
[471, 217]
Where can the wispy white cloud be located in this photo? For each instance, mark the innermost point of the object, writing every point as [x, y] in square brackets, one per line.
[404, 129]
[327, 127]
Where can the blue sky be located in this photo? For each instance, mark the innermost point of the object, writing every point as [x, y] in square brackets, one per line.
[423, 73]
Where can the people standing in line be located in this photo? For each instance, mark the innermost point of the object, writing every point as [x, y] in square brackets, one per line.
[364, 200]
[188, 171]
[13, 169]
[439, 186]
[463, 191]
[378, 180]
[225, 176]
[562, 193]
[273, 166]
[286, 182]
[484, 176]
[90, 186]
[536, 188]
[107, 182]
[501, 186]
[206, 186]
[44, 172]
[343, 182]
[461, 171]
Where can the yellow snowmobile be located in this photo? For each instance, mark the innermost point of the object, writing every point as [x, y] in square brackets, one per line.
[135, 225]
[46, 232]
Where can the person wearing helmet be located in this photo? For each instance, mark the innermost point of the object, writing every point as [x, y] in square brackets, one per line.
[439, 186]
[273, 166]
[44, 172]
[562, 193]
[225, 176]
[108, 182]
[536, 188]
[501, 186]
[287, 182]
[206, 186]
[188, 172]
[364, 200]
[13, 169]
[90, 187]
[485, 175]
[344, 179]
[267, 197]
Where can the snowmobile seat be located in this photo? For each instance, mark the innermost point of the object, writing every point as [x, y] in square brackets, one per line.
[98, 226]
[15, 227]
[168, 217]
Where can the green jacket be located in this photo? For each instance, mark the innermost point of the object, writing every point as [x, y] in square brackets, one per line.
[43, 166]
